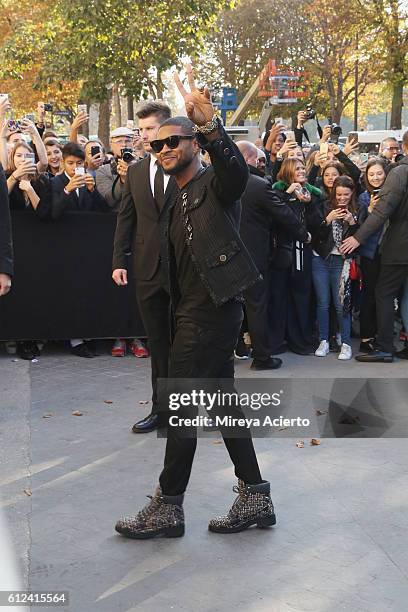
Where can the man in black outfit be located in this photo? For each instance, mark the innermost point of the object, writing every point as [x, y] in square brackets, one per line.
[209, 267]
[264, 212]
[6, 246]
[145, 201]
[393, 207]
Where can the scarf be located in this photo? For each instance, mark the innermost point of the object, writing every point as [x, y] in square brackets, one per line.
[345, 281]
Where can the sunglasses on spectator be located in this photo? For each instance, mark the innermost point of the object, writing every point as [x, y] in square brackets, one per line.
[172, 142]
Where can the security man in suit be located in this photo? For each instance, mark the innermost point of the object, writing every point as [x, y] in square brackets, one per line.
[145, 201]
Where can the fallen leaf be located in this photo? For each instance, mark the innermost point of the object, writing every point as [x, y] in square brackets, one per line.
[282, 428]
[217, 442]
[143, 401]
[48, 415]
[77, 413]
[27, 492]
[315, 442]
[107, 402]
[320, 412]
[300, 444]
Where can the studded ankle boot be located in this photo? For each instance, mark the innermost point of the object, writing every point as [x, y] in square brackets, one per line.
[253, 506]
[163, 516]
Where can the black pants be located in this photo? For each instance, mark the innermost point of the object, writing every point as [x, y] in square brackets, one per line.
[370, 269]
[257, 308]
[200, 351]
[154, 307]
[389, 284]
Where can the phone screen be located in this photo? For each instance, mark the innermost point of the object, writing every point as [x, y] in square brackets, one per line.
[95, 150]
[324, 148]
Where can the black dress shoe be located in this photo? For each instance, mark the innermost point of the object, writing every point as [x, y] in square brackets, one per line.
[149, 423]
[82, 350]
[273, 363]
[26, 350]
[376, 356]
[402, 354]
[367, 346]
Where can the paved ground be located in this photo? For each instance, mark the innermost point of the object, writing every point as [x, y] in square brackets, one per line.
[341, 539]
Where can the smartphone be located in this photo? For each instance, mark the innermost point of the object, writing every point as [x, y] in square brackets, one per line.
[290, 135]
[136, 131]
[375, 192]
[82, 108]
[80, 170]
[95, 150]
[353, 137]
[30, 118]
[130, 124]
[29, 157]
[48, 108]
[324, 148]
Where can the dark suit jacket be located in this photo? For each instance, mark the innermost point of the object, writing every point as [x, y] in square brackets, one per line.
[87, 201]
[264, 211]
[140, 224]
[6, 247]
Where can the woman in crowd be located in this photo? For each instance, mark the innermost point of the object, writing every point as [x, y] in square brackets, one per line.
[370, 258]
[54, 156]
[28, 190]
[292, 313]
[331, 271]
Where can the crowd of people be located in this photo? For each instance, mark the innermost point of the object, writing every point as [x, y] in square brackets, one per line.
[302, 204]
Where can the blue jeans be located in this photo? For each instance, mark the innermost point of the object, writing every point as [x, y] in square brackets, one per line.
[326, 280]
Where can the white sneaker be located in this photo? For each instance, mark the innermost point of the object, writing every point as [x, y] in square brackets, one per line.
[323, 349]
[345, 352]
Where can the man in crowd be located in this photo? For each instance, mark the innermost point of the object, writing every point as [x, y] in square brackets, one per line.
[6, 249]
[209, 267]
[389, 149]
[263, 213]
[146, 196]
[110, 178]
[392, 207]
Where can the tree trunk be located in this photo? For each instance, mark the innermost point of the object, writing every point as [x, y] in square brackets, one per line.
[117, 111]
[397, 104]
[159, 87]
[130, 109]
[104, 119]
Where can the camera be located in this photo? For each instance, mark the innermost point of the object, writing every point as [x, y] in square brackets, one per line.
[48, 108]
[127, 154]
[310, 112]
[335, 132]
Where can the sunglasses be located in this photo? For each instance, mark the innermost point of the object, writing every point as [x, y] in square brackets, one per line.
[172, 142]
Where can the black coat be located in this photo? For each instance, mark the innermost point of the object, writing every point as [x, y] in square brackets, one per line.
[265, 213]
[392, 206]
[42, 187]
[323, 241]
[140, 223]
[6, 245]
[212, 211]
[87, 200]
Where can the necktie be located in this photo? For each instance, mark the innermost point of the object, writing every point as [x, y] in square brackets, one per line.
[159, 187]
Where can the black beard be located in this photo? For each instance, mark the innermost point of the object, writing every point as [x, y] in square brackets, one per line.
[178, 168]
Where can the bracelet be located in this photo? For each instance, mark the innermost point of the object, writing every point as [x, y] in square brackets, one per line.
[13, 177]
[208, 127]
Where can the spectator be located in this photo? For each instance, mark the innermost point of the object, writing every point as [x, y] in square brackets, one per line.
[370, 257]
[95, 156]
[389, 149]
[331, 272]
[291, 301]
[6, 248]
[110, 178]
[74, 189]
[54, 156]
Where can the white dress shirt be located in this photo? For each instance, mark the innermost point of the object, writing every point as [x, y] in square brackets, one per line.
[152, 174]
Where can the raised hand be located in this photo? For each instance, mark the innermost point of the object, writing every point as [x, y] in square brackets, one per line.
[198, 103]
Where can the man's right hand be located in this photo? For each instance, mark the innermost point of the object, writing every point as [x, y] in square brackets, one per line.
[120, 277]
[122, 170]
[77, 181]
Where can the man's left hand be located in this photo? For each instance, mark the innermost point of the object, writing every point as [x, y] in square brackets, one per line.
[349, 245]
[5, 284]
[198, 103]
